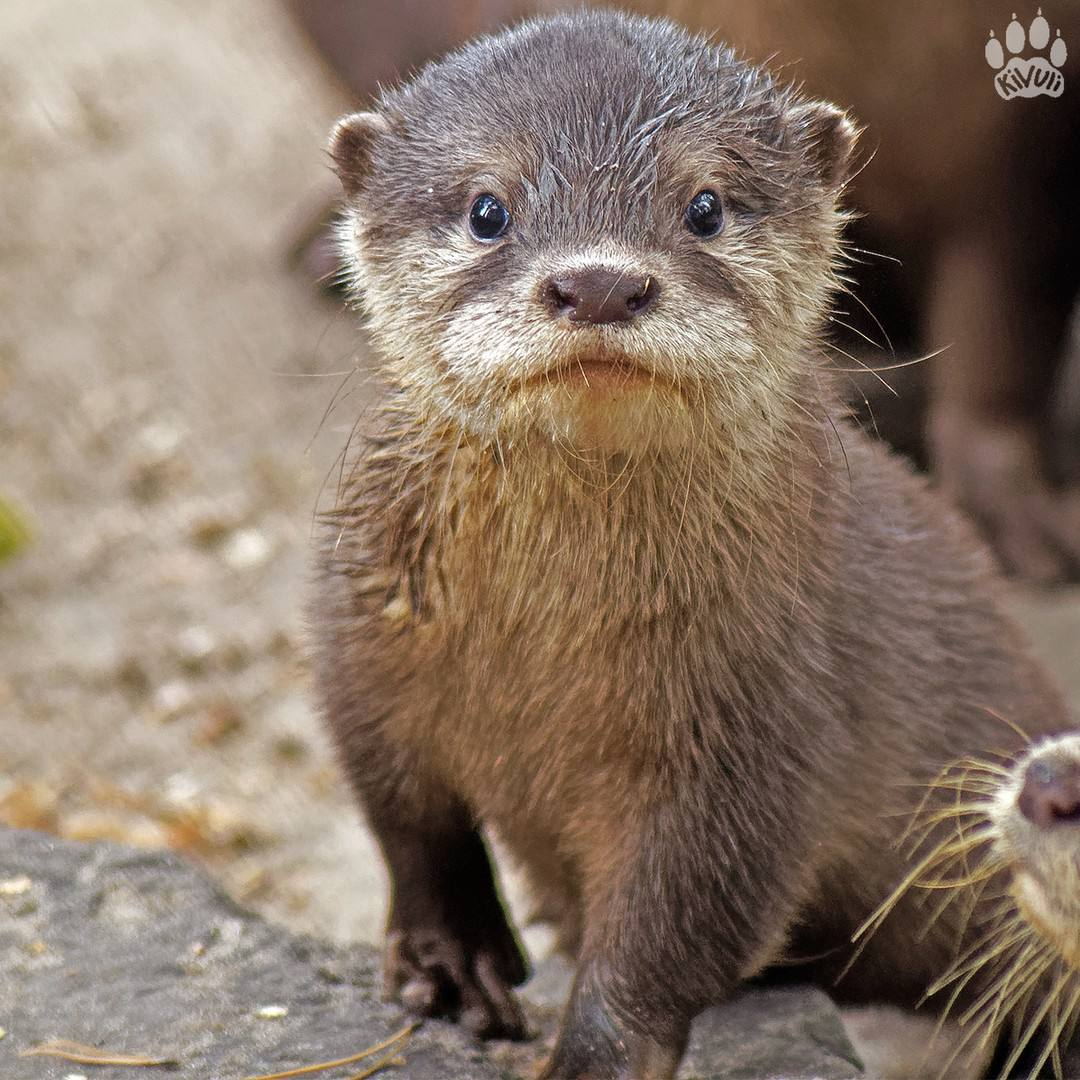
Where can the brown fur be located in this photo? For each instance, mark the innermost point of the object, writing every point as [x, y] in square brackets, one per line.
[969, 199]
[954, 169]
[684, 642]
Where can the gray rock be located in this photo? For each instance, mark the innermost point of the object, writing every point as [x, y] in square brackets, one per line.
[137, 952]
[790, 1033]
[785, 1033]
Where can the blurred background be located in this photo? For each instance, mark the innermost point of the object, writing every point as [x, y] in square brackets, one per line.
[176, 387]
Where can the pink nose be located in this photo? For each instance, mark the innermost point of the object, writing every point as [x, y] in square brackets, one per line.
[1051, 793]
[597, 295]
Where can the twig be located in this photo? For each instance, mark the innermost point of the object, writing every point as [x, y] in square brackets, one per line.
[306, 1070]
[391, 1059]
[81, 1054]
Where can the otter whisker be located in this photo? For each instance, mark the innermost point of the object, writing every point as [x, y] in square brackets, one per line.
[864, 367]
[874, 369]
[1028, 962]
[975, 896]
[1033, 1025]
[832, 317]
[974, 957]
[968, 824]
[1061, 1032]
[847, 289]
[951, 883]
[979, 1034]
[1012, 725]
[1022, 977]
[866, 930]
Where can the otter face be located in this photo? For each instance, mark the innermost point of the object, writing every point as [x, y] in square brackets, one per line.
[1006, 834]
[594, 227]
[1036, 820]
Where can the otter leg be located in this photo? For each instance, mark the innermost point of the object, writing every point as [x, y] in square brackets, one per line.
[450, 950]
[701, 902]
[1003, 318]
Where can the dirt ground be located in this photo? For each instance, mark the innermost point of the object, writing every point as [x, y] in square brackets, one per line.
[172, 397]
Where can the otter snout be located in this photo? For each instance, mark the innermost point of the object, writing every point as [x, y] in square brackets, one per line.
[1050, 794]
[597, 295]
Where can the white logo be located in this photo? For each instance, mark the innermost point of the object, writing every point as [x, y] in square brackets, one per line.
[1032, 75]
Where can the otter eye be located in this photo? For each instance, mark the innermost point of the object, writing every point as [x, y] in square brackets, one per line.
[705, 214]
[488, 218]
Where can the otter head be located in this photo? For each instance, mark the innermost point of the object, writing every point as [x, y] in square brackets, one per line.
[1000, 836]
[594, 228]
[1036, 821]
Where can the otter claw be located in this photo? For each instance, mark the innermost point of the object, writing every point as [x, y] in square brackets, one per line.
[434, 975]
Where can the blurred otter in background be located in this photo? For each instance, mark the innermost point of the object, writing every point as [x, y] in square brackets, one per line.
[969, 238]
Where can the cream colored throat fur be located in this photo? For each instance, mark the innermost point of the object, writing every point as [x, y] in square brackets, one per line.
[499, 535]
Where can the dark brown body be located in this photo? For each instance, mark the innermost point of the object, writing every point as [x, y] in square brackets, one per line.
[969, 199]
[693, 679]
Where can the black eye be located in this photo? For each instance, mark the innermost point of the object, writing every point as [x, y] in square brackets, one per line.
[488, 218]
[705, 214]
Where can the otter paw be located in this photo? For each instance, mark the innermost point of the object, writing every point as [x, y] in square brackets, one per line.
[594, 1044]
[432, 973]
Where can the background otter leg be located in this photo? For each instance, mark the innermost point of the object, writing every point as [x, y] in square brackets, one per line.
[1004, 322]
[450, 950]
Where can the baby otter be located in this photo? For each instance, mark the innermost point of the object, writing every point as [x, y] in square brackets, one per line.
[613, 574]
[1012, 836]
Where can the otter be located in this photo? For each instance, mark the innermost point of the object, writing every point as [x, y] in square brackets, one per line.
[1011, 835]
[612, 574]
[942, 267]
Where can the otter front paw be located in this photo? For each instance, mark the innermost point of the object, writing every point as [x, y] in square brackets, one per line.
[596, 1055]
[431, 971]
[595, 1044]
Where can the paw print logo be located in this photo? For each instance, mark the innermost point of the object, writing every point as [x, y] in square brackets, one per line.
[1027, 76]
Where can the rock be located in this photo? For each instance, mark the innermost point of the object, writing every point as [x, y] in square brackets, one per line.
[136, 952]
[785, 1033]
[142, 955]
[793, 1033]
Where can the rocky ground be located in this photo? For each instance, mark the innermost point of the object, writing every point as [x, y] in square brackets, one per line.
[164, 377]
[199, 988]
[173, 395]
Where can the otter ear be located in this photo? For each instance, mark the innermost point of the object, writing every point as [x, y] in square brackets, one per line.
[351, 145]
[829, 135]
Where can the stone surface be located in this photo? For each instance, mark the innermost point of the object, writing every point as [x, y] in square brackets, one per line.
[771, 1033]
[137, 952]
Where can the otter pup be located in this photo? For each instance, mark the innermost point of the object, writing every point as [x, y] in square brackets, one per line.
[1012, 836]
[613, 574]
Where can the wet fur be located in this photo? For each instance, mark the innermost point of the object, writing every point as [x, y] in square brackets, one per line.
[686, 650]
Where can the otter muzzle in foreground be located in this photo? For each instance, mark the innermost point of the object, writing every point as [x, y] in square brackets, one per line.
[611, 574]
[1010, 833]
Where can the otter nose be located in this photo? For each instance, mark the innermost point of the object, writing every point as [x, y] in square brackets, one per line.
[597, 295]
[1051, 793]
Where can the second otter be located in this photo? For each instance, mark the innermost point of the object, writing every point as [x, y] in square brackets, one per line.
[1013, 844]
[613, 574]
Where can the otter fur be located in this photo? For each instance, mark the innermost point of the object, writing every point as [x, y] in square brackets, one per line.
[613, 575]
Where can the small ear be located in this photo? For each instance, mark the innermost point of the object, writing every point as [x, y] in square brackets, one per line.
[351, 144]
[829, 135]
